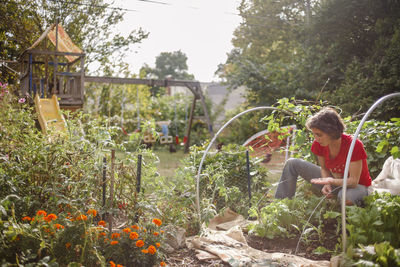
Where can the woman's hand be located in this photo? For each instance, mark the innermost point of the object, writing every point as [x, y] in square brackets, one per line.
[327, 188]
[326, 181]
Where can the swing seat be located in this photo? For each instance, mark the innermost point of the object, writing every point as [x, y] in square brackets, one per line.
[166, 139]
[149, 139]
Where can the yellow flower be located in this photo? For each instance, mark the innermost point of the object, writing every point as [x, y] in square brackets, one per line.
[157, 222]
[92, 212]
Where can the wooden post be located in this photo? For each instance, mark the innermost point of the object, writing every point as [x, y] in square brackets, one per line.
[110, 222]
[104, 183]
[189, 128]
[82, 80]
[203, 103]
[55, 63]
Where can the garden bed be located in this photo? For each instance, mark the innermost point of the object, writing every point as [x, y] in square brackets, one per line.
[187, 257]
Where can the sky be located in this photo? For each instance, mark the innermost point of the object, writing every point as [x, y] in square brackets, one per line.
[202, 29]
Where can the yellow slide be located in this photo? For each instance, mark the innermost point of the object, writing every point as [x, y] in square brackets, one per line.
[50, 116]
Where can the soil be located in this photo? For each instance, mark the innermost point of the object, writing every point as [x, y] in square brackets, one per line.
[186, 257]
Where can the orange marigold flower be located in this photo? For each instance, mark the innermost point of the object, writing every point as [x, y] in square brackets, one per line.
[156, 233]
[102, 234]
[152, 250]
[27, 218]
[115, 235]
[81, 217]
[102, 223]
[158, 245]
[139, 243]
[50, 217]
[112, 264]
[162, 231]
[41, 213]
[92, 212]
[163, 264]
[157, 222]
[59, 226]
[119, 265]
[133, 235]
[145, 251]
[114, 242]
[135, 227]
[67, 245]
[127, 230]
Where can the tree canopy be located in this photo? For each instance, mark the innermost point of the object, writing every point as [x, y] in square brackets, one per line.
[89, 23]
[334, 50]
[170, 65]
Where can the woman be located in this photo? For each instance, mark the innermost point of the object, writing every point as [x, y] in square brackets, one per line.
[330, 146]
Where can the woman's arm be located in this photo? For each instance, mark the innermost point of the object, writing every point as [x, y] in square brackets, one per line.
[324, 171]
[352, 180]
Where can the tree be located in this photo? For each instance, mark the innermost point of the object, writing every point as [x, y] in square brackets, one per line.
[334, 50]
[169, 65]
[266, 47]
[359, 43]
[89, 23]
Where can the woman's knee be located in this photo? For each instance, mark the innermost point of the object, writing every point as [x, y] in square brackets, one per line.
[353, 196]
[293, 162]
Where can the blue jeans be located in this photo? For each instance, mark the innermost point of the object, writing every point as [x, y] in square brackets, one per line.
[297, 167]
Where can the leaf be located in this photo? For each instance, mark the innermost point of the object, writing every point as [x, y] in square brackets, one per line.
[321, 250]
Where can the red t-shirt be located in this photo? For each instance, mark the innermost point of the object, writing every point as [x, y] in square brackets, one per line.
[337, 164]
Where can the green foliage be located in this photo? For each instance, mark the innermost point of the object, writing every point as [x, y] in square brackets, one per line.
[168, 65]
[223, 180]
[381, 139]
[374, 232]
[332, 50]
[63, 170]
[290, 217]
[375, 223]
[85, 21]
[379, 254]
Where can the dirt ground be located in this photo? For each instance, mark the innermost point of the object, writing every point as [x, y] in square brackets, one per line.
[186, 257]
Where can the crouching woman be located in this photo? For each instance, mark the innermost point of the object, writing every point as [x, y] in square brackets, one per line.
[331, 147]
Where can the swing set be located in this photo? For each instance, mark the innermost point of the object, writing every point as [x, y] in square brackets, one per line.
[193, 86]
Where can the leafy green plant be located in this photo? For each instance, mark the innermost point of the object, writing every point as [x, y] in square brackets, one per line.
[375, 223]
[379, 254]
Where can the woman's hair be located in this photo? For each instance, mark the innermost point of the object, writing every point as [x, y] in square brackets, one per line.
[328, 121]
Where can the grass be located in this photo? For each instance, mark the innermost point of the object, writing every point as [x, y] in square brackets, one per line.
[169, 162]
